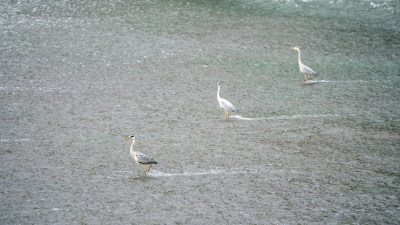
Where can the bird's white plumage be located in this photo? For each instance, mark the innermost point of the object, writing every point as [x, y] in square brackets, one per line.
[139, 157]
[225, 104]
[303, 68]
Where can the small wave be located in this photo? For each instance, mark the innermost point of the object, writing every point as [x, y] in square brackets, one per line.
[39, 89]
[314, 81]
[340, 81]
[156, 173]
[287, 117]
[15, 140]
[242, 118]
[293, 117]
[323, 81]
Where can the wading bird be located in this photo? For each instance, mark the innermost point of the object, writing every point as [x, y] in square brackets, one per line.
[139, 157]
[308, 72]
[225, 104]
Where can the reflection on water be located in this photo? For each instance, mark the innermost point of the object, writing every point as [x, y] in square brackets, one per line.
[77, 77]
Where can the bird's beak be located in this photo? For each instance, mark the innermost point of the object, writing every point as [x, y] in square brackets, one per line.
[126, 138]
[291, 48]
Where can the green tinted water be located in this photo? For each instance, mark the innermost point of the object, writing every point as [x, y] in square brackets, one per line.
[78, 77]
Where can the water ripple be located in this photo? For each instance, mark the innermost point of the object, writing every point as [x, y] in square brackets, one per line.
[294, 117]
[243, 118]
[285, 117]
[188, 174]
[156, 173]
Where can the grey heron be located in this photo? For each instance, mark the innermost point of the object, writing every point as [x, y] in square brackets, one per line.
[139, 157]
[225, 104]
[307, 71]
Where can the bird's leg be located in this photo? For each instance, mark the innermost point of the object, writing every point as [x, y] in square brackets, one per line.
[226, 115]
[145, 171]
[149, 168]
[305, 77]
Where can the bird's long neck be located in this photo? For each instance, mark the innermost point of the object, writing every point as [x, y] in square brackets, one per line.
[299, 57]
[132, 148]
[218, 92]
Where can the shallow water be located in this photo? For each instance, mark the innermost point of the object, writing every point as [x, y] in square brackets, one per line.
[77, 77]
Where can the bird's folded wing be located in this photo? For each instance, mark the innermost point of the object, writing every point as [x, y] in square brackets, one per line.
[145, 159]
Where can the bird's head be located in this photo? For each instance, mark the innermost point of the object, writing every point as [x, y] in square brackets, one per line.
[295, 48]
[130, 138]
[218, 83]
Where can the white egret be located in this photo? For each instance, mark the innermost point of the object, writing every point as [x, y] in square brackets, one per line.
[225, 104]
[139, 157]
[307, 71]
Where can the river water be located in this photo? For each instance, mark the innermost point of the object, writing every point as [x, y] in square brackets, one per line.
[76, 77]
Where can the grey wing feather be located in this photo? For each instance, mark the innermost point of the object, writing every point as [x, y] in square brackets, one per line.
[144, 159]
[307, 70]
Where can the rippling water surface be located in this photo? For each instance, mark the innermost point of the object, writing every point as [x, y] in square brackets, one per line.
[76, 77]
